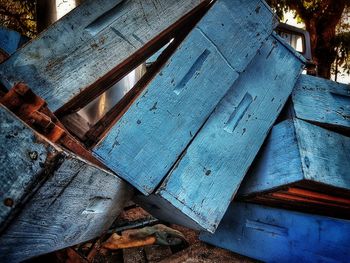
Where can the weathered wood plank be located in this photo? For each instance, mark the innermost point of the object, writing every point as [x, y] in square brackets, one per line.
[146, 142]
[50, 199]
[275, 235]
[322, 101]
[23, 161]
[207, 176]
[94, 39]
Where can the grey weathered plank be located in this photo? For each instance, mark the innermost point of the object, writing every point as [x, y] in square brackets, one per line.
[22, 160]
[54, 199]
[91, 41]
[322, 101]
[207, 176]
[297, 151]
[146, 142]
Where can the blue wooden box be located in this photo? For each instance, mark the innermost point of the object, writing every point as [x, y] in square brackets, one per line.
[200, 186]
[302, 166]
[275, 235]
[322, 102]
[144, 145]
[50, 198]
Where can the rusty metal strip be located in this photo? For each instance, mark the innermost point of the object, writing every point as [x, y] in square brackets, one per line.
[318, 196]
[33, 110]
[290, 198]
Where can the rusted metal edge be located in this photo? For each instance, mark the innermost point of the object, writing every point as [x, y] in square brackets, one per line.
[33, 110]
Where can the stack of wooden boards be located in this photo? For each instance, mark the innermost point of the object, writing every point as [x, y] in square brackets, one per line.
[185, 136]
[304, 166]
[52, 197]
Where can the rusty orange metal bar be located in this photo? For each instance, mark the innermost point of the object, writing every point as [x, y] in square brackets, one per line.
[33, 110]
[285, 196]
[318, 196]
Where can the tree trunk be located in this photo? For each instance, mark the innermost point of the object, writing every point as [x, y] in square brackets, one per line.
[321, 19]
[46, 13]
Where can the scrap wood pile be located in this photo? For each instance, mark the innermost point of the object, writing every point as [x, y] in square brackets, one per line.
[189, 142]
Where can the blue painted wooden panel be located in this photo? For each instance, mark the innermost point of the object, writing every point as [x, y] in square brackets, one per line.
[275, 235]
[325, 155]
[322, 156]
[207, 176]
[278, 163]
[146, 142]
[11, 40]
[89, 42]
[322, 101]
[50, 198]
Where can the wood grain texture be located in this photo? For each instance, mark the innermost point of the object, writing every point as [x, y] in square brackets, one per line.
[50, 199]
[278, 163]
[323, 157]
[146, 142]
[91, 41]
[275, 235]
[321, 101]
[23, 158]
[207, 176]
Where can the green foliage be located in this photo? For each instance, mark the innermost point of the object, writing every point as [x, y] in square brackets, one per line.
[343, 51]
[342, 43]
[19, 15]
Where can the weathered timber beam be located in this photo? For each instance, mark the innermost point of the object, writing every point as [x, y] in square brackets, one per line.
[50, 198]
[92, 47]
[148, 139]
[207, 176]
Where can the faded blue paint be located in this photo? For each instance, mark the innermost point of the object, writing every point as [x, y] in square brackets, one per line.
[299, 151]
[146, 142]
[275, 235]
[205, 179]
[278, 163]
[322, 101]
[11, 40]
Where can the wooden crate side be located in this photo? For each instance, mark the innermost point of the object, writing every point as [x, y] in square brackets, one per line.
[50, 199]
[91, 41]
[77, 203]
[320, 157]
[278, 162]
[322, 101]
[146, 142]
[25, 158]
[275, 235]
[207, 176]
[325, 155]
